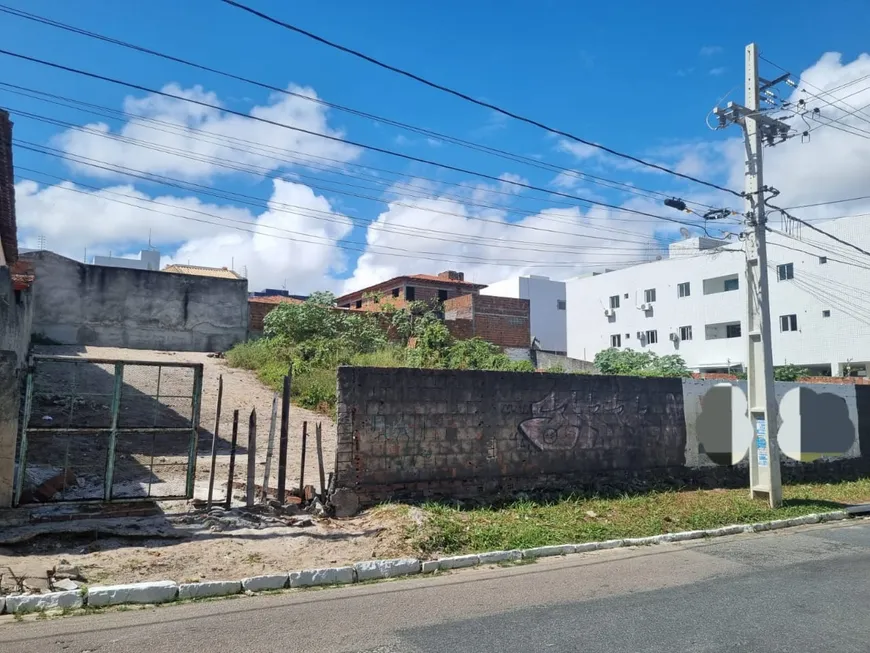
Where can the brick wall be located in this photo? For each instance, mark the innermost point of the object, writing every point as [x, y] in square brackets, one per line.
[260, 307]
[8, 229]
[503, 321]
[414, 433]
[424, 290]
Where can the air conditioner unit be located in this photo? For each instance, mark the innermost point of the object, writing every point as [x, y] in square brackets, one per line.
[608, 312]
[674, 337]
[645, 306]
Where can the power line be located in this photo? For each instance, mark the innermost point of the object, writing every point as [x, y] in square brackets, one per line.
[821, 231]
[843, 201]
[608, 183]
[374, 148]
[261, 203]
[814, 254]
[468, 98]
[365, 247]
[265, 172]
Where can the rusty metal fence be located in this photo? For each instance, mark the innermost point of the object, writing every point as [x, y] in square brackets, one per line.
[96, 429]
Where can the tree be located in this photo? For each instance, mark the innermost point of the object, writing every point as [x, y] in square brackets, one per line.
[789, 372]
[628, 362]
[412, 319]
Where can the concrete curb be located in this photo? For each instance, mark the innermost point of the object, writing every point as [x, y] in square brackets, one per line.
[167, 591]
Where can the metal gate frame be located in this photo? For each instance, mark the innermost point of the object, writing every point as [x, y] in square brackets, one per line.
[114, 429]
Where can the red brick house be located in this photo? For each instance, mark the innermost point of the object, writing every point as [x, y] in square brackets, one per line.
[503, 321]
[398, 291]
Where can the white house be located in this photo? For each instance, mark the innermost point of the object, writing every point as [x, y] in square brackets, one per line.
[149, 259]
[547, 309]
[693, 303]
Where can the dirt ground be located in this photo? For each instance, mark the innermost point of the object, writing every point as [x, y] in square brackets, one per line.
[191, 551]
[241, 391]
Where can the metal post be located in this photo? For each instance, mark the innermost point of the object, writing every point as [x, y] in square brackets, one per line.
[113, 434]
[195, 407]
[270, 447]
[214, 439]
[229, 501]
[282, 444]
[252, 459]
[764, 467]
[302, 466]
[318, 435]
[22, 453]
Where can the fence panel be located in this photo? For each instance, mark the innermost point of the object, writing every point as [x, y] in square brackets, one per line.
[108, 430]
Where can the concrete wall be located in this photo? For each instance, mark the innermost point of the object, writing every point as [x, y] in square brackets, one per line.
[825, 296]
[408, 433]
[119, 307]
[16, 317]
[544, 361]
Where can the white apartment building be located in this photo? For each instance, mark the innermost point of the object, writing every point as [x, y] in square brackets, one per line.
[547, 309]
[693, 303]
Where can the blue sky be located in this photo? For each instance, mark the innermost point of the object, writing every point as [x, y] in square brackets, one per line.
[637, 76]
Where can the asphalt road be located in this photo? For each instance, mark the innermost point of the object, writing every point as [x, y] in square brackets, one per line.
[795, 590]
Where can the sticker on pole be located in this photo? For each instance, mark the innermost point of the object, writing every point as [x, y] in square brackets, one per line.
[761, 449]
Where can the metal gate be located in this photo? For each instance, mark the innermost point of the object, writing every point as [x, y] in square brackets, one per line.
[104, 430]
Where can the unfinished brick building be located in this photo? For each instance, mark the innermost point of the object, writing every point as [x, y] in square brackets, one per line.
[398, 291]
[503, 321]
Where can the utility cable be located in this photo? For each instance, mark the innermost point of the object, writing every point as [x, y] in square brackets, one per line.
[609, 183]
[373, 148]
[468, 98]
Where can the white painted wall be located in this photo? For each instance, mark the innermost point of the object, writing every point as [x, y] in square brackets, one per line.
[841, 286]
[547, 321]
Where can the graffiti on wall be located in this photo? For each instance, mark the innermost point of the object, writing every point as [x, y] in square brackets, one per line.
[562, 421]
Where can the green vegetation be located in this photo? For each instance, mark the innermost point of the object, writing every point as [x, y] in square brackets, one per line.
[313, 338]
[577, 519]
[627, 362]
[790, 372]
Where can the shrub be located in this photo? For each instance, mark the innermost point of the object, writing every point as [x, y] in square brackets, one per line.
[640, 363]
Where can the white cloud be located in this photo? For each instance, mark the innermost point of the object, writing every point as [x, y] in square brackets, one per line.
[72, 221]
[556, 242]
[578, 150]
[719, 70]
[268, 151]
[710, 50]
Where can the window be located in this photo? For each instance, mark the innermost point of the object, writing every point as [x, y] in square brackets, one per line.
[409, 293]
[732, 330]
[826, 313]
[614, 302]
[731, 284]
[785, 271]
[625, 295]
[358, 303]
[627, 336]
[616, 340]
[823, 260]
[442, 295]
[686, 333]
[649, 295]
[396, 292]
[652, 337]
[561, 304]
[684, 289]
[788, 322]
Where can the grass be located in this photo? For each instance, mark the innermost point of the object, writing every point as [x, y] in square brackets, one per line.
[577, 519]
[312, 387]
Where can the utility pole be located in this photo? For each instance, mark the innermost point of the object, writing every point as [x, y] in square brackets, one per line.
[764, 463]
